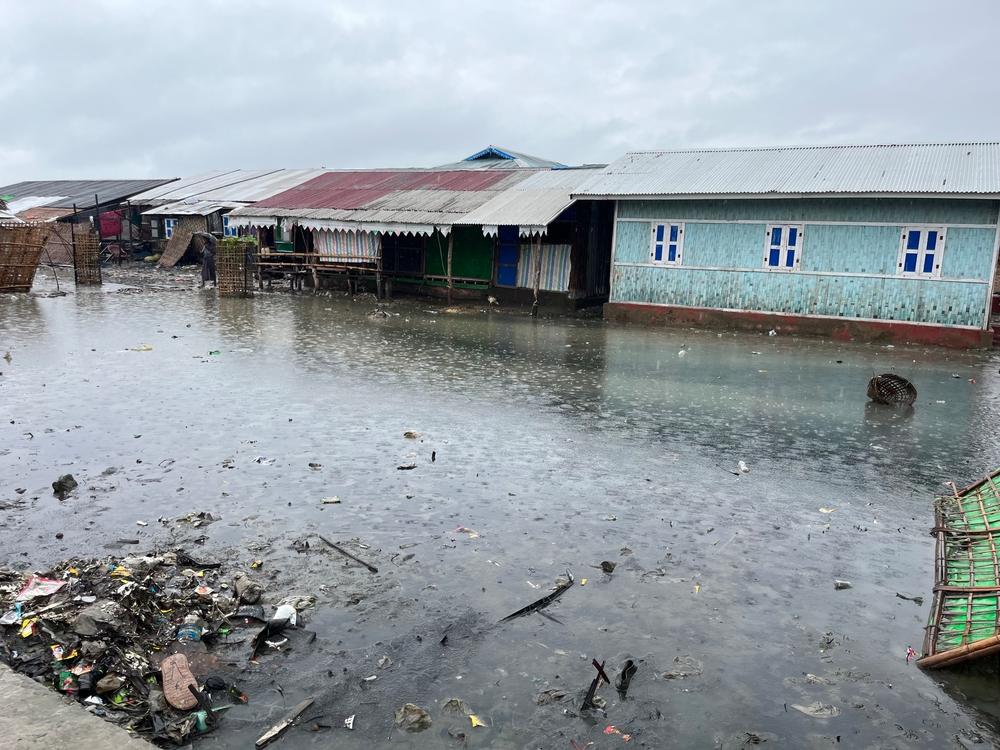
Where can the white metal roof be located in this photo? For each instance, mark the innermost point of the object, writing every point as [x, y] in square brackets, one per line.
[532, 203]
[28, 202]
[184, 187]
[902, 169]
[237, 185]
[192, 207]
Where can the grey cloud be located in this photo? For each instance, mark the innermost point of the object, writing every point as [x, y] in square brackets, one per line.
[126, 89]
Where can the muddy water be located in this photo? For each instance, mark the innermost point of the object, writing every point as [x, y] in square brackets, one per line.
[562, 443]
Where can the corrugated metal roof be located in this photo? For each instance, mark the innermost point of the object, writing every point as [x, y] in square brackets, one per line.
[927, 168]
[182, 188]
[66, 193]
[42, 213]
[382, 200]
[6, 215]
[531, 204]
[192, 207]
[28, 202]
[216, 186]
[260, 187]
[496, 157]
[357, 188]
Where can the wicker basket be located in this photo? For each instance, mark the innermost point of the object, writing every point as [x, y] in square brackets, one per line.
[888, 388]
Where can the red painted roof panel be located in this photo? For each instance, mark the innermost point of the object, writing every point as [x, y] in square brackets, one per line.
[356, 189]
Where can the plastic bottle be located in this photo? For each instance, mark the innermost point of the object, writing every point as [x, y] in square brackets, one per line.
[189, 629]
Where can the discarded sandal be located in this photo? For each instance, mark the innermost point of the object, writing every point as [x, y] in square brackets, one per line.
[177, 679]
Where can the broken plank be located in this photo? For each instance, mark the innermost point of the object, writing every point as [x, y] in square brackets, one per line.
[275, 731]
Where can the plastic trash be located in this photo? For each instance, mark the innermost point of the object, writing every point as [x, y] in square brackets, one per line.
[37, 586]
[412, 718]
[248, 591]
[64, 485]
[840, 585]
[189, 629]
[818, 710]
[287, 613]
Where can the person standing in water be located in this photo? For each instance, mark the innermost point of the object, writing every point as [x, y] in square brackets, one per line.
[208, 261]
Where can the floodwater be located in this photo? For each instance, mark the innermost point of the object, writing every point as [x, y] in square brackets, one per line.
[562, 442]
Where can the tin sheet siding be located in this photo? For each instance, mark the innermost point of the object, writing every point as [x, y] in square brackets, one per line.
[893, 210]
[723, 262]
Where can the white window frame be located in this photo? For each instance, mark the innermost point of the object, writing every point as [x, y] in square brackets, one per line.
[664, 244]
[154, 228]
[168, 228]
[783, 247]
[922, 251]
[228, 231]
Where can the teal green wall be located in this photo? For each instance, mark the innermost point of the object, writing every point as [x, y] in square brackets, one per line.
[723, 262]
[893, 210]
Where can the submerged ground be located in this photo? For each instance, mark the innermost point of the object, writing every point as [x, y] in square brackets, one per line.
[562, 443]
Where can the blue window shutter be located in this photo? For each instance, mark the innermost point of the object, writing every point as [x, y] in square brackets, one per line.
[672, 253]
[775, 257]
[913, 240]
[910, 263]
[932, 240]
[673, 232]
[658, 252]
[775, 237]
[790, 258]
[929, 263]
[659, 233]
[793, 236]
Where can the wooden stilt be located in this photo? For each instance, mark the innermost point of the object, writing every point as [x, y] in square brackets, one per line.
[538, 276]
[451, 247]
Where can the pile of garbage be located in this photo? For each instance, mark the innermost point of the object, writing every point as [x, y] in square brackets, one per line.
[138, 639]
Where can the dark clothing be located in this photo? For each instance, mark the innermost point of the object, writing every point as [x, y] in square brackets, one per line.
[208, 259]
[208, 266]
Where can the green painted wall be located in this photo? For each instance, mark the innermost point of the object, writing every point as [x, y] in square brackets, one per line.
[472, 257]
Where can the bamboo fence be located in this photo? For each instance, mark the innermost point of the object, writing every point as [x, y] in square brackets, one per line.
[20, 250]
[86, 256]
[235, 267]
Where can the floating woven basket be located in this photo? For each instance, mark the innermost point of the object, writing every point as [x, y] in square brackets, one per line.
[891, 389]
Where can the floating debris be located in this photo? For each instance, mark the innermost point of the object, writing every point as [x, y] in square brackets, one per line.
[412, 718]
[545, 601]
[818, 710]
[889, 388]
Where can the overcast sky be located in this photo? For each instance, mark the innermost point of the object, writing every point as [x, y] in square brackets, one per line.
[123, 88]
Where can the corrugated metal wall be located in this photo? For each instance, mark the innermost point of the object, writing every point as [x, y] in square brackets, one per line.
[723, 262]
[555, 267]
[339, 246]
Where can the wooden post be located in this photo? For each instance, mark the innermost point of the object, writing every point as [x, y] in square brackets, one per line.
[72, 236]
[451, 247]
[538, 276]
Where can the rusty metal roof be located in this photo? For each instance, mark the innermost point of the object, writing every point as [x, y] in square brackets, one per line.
[897, 169]
[413, 200]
